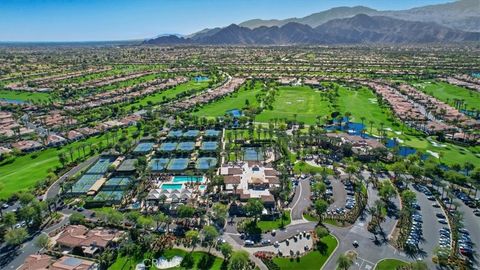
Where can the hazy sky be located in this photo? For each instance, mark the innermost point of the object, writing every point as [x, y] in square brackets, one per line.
[89, 20]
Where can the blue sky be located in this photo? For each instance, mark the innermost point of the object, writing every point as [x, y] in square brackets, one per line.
[89, 20]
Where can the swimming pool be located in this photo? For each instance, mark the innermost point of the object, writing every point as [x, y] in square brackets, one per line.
[187, 179]
[202, 187]
[172, 186]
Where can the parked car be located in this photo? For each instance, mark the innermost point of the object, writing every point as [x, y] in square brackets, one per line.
[249, 243]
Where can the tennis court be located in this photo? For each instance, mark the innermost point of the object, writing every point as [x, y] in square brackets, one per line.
[178, 164]
[212, 133]
[191, 133]
[205, 163]
[175, 134]
[209, 146]
[168, 147]
[117, 183]
[143, 148]
[252, 154]
[101, 166]
[158, 164]
[186, 146]
[85, 182]
[110, 196]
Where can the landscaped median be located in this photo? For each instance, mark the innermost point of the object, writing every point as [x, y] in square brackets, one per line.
[389, 264]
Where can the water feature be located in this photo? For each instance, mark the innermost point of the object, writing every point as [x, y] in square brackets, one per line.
[13, 101]
[201, 78]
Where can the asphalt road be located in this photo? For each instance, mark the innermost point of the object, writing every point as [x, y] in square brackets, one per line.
[301, 200]
[12, 259]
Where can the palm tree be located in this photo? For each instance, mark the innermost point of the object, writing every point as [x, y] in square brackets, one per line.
[371, 126]
[344, 262]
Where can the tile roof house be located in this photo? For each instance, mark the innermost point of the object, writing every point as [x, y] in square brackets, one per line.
[90, 240]
[45, 262]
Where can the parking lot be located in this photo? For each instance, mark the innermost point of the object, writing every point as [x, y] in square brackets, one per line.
[362, 264]
[434, 228]
[342, 194]
[471, 223]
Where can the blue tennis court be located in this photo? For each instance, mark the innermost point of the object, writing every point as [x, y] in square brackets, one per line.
[209, 146]
[175, 133]
[178, 164]
[85, 182]
[191, 133]
[158, 164]
[144, 147]
[212, 133]
[168, 147]
[252, 154]
[117, 183]
[205, 163]
[109, 196]
[101, 166]
[186, 146]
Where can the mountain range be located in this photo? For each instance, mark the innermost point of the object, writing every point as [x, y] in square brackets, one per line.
[452, 22]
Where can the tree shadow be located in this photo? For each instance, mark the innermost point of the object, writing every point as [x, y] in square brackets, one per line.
[322, 247]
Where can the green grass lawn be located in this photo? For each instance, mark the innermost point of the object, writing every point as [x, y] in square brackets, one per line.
[267, 225]
[300, 102]
[25, 96]
[389, 264]
[303, 167]
[25, 171]
[168, 94]
[235, 101]
[310, 218]
[447, 93]
[312, 260]
[129, 262]
[363, 103]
